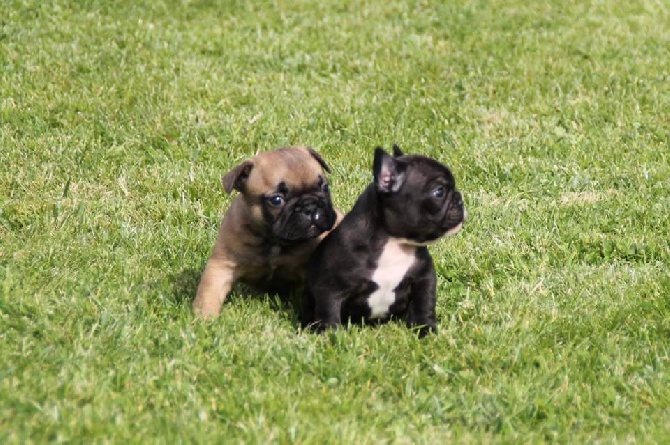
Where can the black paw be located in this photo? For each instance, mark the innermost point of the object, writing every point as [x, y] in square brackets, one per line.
[318, 327]
[425, 330]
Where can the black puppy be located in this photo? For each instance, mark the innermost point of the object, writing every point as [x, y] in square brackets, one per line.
[375, 264]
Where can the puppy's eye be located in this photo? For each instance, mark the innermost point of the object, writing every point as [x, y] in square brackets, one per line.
[325, 188]
[276, 200]
[439, 192]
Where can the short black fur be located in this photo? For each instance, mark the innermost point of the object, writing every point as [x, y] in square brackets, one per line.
[412, 200]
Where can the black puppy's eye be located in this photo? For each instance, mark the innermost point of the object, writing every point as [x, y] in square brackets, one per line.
[276, 200]
[438, 192]
[326, 189]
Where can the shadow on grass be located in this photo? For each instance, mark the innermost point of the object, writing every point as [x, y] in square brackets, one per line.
[184, 285]
[286, 302]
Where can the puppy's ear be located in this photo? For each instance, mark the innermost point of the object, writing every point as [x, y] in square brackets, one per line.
[237, 177]
[389, 174]
[397, 152]
[319, 159]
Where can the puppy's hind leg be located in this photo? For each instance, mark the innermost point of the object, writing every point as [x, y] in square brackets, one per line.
[215, 284]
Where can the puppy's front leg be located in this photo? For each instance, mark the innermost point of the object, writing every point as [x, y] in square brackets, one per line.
[327, 314]
[421, 311]
[216, 282]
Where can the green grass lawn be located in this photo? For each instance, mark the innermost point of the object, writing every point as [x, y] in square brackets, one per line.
[117, 120]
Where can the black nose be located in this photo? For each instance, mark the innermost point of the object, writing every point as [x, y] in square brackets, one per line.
[309, 208]
[458, 198]
[323, 219]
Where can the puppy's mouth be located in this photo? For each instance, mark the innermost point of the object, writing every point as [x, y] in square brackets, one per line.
[454, 229]
[297, 238]
[453, 225]
[307, 224]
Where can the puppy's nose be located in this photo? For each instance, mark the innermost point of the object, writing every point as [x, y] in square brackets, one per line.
[308, 209]
[322, 220]
[458, 198]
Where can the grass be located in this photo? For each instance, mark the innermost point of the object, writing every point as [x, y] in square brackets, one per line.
[117, 120]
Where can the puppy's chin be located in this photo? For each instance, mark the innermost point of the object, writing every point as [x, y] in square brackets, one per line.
[409, 242]
[298, 236]
[454, 230]
[431, 241]
[457, 228]
[435, 237]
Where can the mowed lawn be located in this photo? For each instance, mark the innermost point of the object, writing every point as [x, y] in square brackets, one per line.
[117, 120]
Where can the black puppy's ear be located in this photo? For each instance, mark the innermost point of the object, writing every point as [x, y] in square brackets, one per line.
[397, 152]
[389, 174]
[237, 177]
[319, 159]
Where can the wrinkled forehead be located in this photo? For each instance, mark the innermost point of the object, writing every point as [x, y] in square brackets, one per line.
[426, 170]
[292, 168]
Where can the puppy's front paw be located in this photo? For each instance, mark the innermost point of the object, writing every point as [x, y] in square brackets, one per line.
[217, 280]
[319, 328]
[425, 330]
[206, 311]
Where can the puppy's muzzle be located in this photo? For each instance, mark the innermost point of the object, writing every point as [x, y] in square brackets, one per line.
[456, 214]
[317, 213]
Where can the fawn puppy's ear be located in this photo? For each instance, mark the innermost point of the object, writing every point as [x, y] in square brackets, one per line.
[236, 179]
[319, 159]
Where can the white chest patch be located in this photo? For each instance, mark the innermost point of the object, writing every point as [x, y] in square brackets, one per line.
[394, 262]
